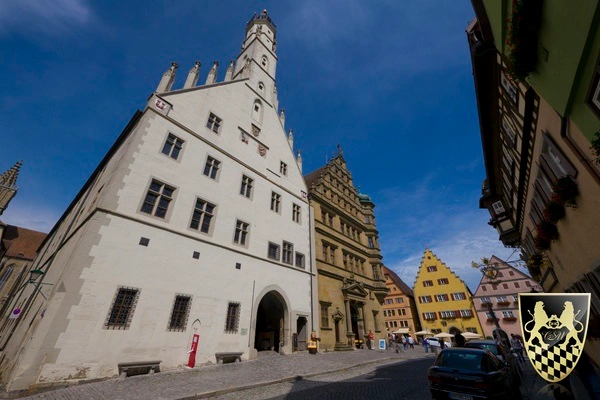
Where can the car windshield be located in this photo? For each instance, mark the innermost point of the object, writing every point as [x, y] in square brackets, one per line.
[487, 346]
[459, 360]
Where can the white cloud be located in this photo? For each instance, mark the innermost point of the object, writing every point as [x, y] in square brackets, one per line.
[49, 17]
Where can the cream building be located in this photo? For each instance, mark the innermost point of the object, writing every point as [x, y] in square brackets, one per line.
[195, 222]
[351, 281]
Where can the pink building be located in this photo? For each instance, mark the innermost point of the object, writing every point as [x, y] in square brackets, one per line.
[502, 293]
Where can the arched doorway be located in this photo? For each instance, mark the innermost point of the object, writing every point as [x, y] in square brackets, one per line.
[270, 323]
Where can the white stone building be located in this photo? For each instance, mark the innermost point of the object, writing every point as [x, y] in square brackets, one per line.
[196, 221]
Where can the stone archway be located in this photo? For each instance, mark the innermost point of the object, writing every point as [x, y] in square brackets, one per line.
[271, 323]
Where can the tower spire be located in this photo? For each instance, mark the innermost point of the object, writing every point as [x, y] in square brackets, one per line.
[229, 72]
[212, 74]
[8, 185]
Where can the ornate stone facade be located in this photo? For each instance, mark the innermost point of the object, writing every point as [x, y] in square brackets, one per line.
[350, 279]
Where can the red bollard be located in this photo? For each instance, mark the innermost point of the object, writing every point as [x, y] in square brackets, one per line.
[192, 352]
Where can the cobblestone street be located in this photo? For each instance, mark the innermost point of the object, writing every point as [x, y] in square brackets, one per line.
[211, 380]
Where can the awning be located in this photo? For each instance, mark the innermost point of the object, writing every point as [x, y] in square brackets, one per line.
[401, 330]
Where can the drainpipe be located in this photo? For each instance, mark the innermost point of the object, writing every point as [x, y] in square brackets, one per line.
[312, 313]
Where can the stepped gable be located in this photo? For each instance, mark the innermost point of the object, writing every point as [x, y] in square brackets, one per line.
[429, 253]
[502, 266]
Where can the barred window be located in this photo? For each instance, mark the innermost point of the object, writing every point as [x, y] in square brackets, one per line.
[232, 320]
[202, 216]
[122, 308]
[180, 312]
[288, 253]
[157, 199]
[173, 146]
[213, 123]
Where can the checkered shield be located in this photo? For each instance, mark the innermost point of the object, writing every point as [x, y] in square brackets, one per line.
[554, 328]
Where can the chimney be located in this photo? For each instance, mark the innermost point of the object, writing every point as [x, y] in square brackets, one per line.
[212, 74]
[192, 77]
[168, 79]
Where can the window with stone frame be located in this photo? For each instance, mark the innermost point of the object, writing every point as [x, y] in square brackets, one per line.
[283, 168]
[123, 306]
[246, 187]
[399, 300]
[157, 199]
[172, 146]
[273, 251]
[296, 213]
[232, 320]
[180, 312]
[213, 123]
[300, 260]
[202, 215]
[211, 168]
[241, 232]
[324, 316]
[275, 202]
[288, 253]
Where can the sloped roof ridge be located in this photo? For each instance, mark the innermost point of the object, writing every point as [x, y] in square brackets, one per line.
[399, 282]
[443, 264]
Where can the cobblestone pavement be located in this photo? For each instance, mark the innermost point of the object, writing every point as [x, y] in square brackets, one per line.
[208, 381]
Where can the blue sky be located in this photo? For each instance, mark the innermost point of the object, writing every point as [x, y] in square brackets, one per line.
[390, 81]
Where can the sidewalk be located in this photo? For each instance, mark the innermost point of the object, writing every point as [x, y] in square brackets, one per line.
[211, 380]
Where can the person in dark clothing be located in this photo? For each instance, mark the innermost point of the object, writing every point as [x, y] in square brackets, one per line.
[459, 339]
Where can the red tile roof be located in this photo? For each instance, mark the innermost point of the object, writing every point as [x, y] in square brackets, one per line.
[399, 282]
[21, 242]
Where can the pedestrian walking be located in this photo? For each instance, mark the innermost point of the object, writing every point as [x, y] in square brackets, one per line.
[426, 345]
[517, 347]
[404, 342]
[411, 342]
[390, 340]
[459, 339]
[371, 339]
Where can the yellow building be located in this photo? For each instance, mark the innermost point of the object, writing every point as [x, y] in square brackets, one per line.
[443, 300]
[351, 282]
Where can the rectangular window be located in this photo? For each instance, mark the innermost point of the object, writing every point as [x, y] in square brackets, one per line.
[508, 314]
[376, 274]
[370, 241]
[388, 301]
[202, 216]
[399, 300]
[122, 308]
[466, 313]
[173, 146]
[296, 213]
[232, 320]
[431, 268]
[246, 188]
[443, 281]
[429, 315]
[447, 314]
[241, 232]
[458, 296]
[283, 168]
[157, 199]
[509, 87]
[179, 314]
[425, 299]
[324, 316]
[472, 330]
[527, 283]
[516, 298]
[330, 220]
[401, 311]
[273, 251]
[275, 202]
[441, 297]
[300, 260]
[501, 299]
[427, 283]
[486, 300]
[211, 168]
[288, 253]
[213, 123]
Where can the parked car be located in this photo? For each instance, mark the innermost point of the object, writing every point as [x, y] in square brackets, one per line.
[435, 342]
[500, 351]
[462, 373]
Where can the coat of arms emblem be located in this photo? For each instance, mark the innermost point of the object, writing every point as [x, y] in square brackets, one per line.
[554, 329]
